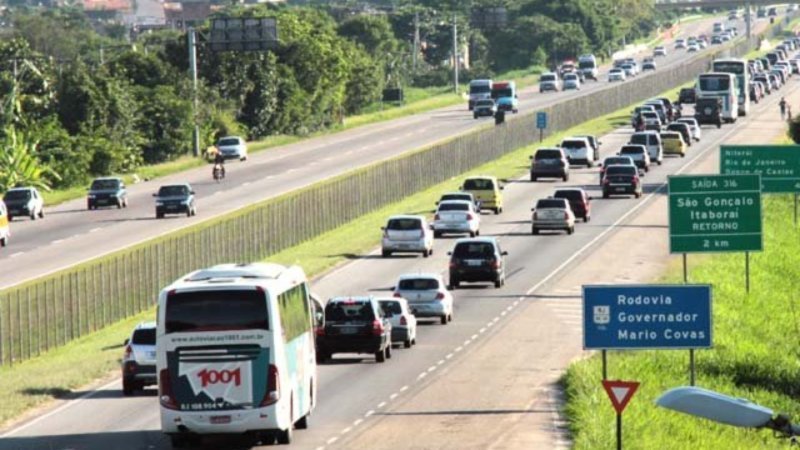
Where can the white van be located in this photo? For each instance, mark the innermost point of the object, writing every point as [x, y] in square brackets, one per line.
[235, 353]
[579, 150]
[652, 141]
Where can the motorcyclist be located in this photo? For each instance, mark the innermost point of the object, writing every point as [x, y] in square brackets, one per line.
[219, 161]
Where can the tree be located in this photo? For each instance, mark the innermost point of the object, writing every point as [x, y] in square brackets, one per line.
[21, 166]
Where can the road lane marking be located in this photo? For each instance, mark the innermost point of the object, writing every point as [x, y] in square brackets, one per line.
[57, 241]
[458, 349]
[474, 336]
[358, 422]
[246, 183]
[422, 375]
[347, 430]
[95, 229]
[369, 413]
[489, 324]
[441, 361]
[332, 440]
[449, 355]
[381, 405]
[482, 330]
[14, 255]
[393, 396]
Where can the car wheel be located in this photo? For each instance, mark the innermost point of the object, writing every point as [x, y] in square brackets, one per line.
[565, 178]
[437, 234]
[125, 203]
[477, 232]
[386, 253]
[637, 195]
[570, 230]
[389, 351]
[119, 204]
[496, 211]
[194, 211]
[3, 242]
[425, 253]
[454, 284]
[605, 194]
[586, 218]
[471, 234]
[443, 319]
[533, 178]
[286, 436]
[323, 357]
[407, 343]
[380, 356]
[33, 215]
[188, 212]
[534, 230]
[660, 162]
[683, 155]
[159, 215]
[302, 424]
[414, 341]
[450, 317]
[128, 387]
[41, 213]
[498, 283]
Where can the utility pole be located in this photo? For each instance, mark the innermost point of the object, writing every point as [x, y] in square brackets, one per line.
[193, 67]
[455, 54]
[747, 18]
[416, 43]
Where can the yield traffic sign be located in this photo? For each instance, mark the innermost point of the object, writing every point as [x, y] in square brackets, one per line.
[620, 393]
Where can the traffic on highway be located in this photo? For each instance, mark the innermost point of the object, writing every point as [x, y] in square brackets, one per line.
[257, 354]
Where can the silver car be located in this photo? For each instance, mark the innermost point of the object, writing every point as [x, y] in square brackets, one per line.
[404, 324]
[139, 359]
[427, 296]
[407, 234]
[553, 214]
[571, 81]
[456, 216]
[232, 147]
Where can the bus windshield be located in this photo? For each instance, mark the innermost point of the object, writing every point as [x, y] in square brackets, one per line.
[218, 310]
[714, 84]
[479, 89]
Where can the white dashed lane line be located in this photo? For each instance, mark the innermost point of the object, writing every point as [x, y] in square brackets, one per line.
[14, 255]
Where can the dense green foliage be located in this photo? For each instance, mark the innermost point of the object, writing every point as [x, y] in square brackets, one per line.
[97, 104]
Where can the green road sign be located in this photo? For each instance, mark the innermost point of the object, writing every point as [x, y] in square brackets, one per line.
[714, 213]
[778, 165]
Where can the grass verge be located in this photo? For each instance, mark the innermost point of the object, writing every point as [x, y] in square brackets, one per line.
[754, 354]
[57, 373]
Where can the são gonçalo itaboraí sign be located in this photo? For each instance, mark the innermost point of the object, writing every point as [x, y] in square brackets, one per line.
[715, 213]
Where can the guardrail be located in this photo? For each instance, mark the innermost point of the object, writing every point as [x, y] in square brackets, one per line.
[56, 309]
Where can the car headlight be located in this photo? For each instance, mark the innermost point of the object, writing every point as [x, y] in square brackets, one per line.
[92, 196]
[186, 202]
[159, 203]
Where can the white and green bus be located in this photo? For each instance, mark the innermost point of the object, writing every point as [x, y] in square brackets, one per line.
[738, 67]
[235, 353]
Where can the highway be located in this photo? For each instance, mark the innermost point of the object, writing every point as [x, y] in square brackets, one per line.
[356, 395]
[70, 234]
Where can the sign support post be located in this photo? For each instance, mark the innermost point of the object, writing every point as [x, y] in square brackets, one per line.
[685, 270]
[691, 367]
[605, 365]
[619, 431]
[747, 271]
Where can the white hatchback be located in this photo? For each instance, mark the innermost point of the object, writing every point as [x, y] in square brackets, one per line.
[404, 324]
[407, 234]
[232, 147]
[456, 216]
[694, 127]
[427, 295]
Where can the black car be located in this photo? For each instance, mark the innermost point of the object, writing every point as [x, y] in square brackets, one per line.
[549, 162]
[578, 201]
[684, 130]
[107, 192]
[708, 111]
[622, 180]
[175, 199]
[477, 260]
[355, 325]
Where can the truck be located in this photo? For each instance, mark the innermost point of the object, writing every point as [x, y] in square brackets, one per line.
[479, 90]
[504, 94]
[587, 65]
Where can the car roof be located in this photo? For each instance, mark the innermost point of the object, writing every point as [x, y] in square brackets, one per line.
[455, 202]
[145, 326]
[569, 189]
[175, 185]
[671, 134]
[406, 216]
[22, 188]
[345, 298]
[411, 276]
[108, 178]
[485, 240]
[481, 177]
[457, 193]
[230, 137]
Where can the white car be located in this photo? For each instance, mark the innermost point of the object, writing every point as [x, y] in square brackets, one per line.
[680, 43]
[629, 70]
[456, 216]
[407, 234]
[232, 147]
[549, 82]
[24, 202]
[660, 51]
[572, 81]
[427, 295]
[404, 324]
[552, 214]
[579, 150]
[694, 127]
[693, 48]
[616, 75]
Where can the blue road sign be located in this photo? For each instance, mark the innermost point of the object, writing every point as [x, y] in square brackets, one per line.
[646, 317]
[541, 120]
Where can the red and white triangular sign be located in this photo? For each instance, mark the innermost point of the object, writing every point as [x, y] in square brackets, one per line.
[620, 393]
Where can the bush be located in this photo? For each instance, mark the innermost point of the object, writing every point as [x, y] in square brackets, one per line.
[794, 129]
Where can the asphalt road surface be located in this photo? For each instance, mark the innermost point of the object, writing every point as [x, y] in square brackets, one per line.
[354, 389]
[70, 234]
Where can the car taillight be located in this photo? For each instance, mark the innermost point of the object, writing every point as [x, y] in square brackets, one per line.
[396, 295]
[535, 215]
[128, 351]
[440, 296]
[377, 327]
[469, 217]
[495, 264]
[320, 331]
[436, 217]
[166, 396]
[453, 264]
[403, 320]
[566, 216]
[273, 393]
[606, 181]
[636, 179]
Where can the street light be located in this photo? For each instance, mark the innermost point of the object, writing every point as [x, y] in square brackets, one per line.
[727, 410]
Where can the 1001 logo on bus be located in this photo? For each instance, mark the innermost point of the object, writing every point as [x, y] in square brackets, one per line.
[220, 376]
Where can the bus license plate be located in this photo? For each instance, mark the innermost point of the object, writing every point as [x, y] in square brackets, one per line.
[220, 419]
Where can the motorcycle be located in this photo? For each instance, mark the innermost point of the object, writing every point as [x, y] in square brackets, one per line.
[218, 173]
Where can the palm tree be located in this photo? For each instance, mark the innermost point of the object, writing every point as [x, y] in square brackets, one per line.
[19, 165]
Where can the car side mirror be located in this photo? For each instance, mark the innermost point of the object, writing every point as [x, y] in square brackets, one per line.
[504, 253]
[502, 188]
[155, 195]
[383, 228]
[192, 192]
[126, 341]
[530, 157]
[461, 188]
[449, 253]
[533, 209]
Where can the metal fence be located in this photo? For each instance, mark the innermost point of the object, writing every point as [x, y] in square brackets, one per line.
[54, 310]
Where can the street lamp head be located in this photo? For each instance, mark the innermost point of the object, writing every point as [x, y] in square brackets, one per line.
[717, 407]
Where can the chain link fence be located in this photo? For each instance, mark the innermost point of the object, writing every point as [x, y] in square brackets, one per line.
[57, 309]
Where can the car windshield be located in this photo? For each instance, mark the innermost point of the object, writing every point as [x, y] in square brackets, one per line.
[479, 184]
[479, 89]
[617, 161]
[568, 194]
[391, 307]
[616, 71]
[573, 144]
[104, 184]
[404, 224]
[570, 77]
[682, 127]
[349, 311]
[465, 197]
[452, 206]
[228, 141]
[216, 310]
[632, 150]
[418, 284]
[548, 154]
[649, 115]
[17, 195]
[172, 191]
[640, 139]
[547, 77]
[550, 204]
[621, 170]
[144, 336]
[473, 250]
[671, 136]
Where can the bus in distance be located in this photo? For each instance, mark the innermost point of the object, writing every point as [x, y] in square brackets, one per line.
[723, 86]
[738, 67]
